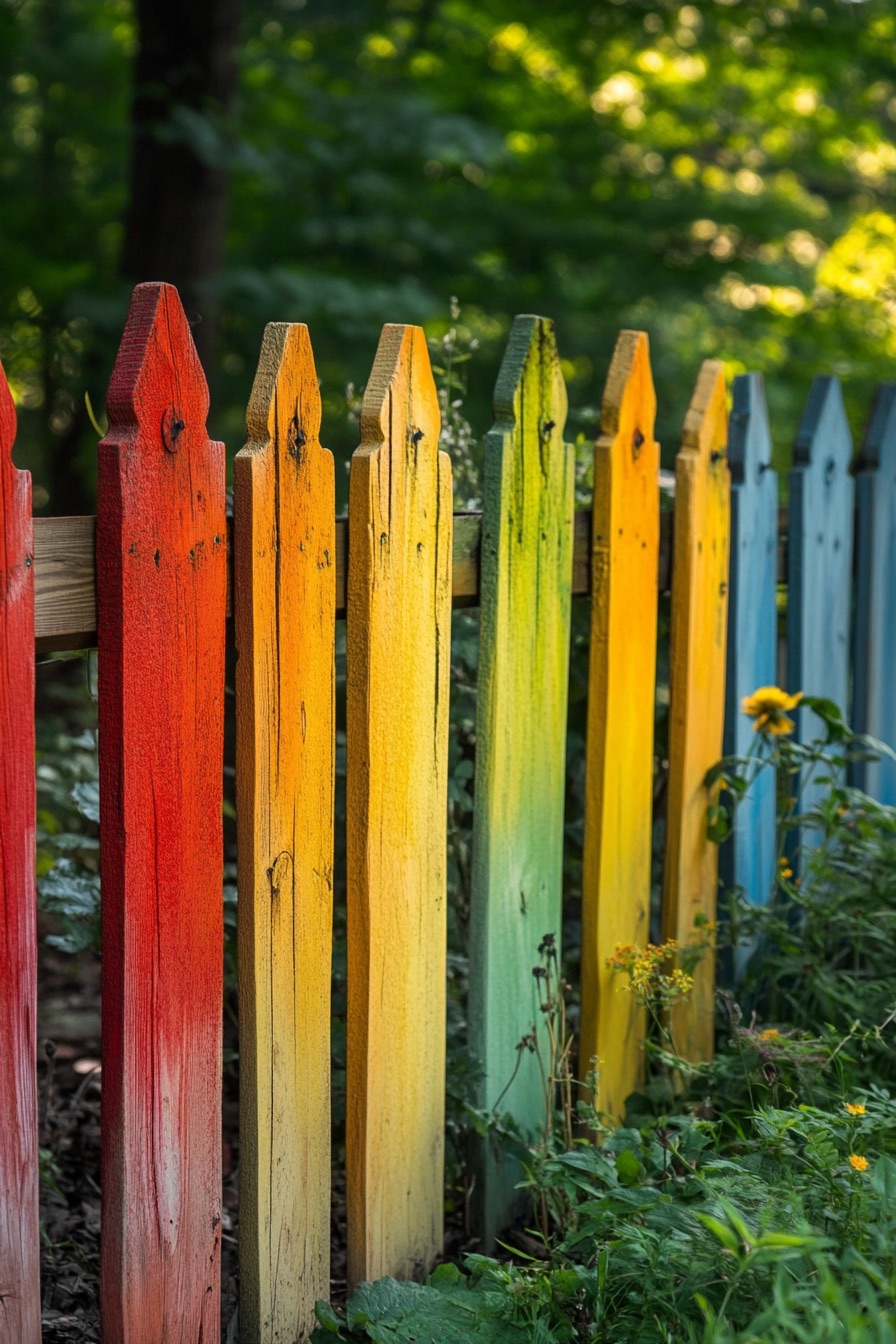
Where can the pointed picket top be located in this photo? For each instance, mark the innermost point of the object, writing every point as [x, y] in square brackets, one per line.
[697, 690]
[19, 1223]
[397, 660]
[517, 865]
[161, 548]
[619, 752]
[878, 450]
[629, 393]
[819, 565]
[874, 706]
[823, 428]
[749, 436]
[285, 373]
[401, 392]
[532, 343]
[747, 859]
[284, 615]
[157, 382]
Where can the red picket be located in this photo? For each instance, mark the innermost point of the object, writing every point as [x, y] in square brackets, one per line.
[161, 571]
[19, 1226]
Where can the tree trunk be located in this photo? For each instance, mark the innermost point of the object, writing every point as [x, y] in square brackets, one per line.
[184, 87]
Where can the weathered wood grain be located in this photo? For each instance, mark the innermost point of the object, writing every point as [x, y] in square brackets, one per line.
[621, 693]
[517, 869]
[161, 562]
[747, 859]
[874, 659]
[397, 657]
[19, 1226]
[285, 625]
[697, 690]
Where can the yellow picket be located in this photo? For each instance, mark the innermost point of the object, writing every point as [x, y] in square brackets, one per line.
[697, 691]
[285, 599]
[621, 690]
[397, 655]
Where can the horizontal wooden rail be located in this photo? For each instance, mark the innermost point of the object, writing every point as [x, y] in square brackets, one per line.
[65, 572]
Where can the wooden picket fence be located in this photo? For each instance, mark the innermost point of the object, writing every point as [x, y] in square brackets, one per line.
[155, 601]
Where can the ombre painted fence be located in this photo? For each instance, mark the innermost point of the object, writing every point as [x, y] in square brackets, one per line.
[151, 583]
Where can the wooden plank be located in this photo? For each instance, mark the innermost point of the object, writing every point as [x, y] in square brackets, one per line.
[397, 655]
[19, 1226]
[874, 705]
[161, 561]
[747, 860]
[65, 583]
[285, 621]
[517, 866]
[819, 567]
[697, 690]
[621, 694]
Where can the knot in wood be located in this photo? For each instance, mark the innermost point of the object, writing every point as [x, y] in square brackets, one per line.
[172, 428]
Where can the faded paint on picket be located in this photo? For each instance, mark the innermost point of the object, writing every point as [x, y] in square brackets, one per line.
[517, 870]
[397, 658]
[161, 571]
[874, 677]
[747, 860]
[285, 621]
[19, 1225]
[819, 569]
[621, 693]
[697, 691]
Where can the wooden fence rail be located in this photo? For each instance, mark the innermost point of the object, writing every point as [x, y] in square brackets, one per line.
[150, 583]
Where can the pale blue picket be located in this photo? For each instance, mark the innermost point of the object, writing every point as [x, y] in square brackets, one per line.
[819, 570]
[874, 701]
[748, 859]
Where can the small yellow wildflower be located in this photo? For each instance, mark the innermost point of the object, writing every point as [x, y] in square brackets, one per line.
[858, 1163]
[770, 1034]
[767, 706]
[854, 1108]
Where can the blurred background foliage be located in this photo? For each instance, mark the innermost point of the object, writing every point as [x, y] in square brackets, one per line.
[720, 174]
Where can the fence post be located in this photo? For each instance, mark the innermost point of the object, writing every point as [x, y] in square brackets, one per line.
[874, 704]
[697, 691]
[621, 695]
[747, 859]
[397, 658]
[19, 1226]
[161, 583]
[819, 565]
[517, 870]
[285, 614]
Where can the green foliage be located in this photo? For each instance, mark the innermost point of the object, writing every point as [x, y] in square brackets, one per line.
[719, 174]
[822, 948]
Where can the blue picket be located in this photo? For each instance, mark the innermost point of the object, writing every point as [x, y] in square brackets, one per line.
[748, 859]
[874, 704]
[819, 569]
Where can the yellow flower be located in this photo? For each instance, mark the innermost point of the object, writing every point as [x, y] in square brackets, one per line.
[858, 1163]
[770, 1034]
[767, 706]
[854, 1108]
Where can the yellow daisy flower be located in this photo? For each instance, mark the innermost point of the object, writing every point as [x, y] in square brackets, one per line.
[770, 1034]
[854, 1108]
[768, 706]
[858, 1163]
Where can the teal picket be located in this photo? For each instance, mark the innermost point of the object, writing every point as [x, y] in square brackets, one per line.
[748, 859]
[874, 703]
[819, 567]
[516, 899]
